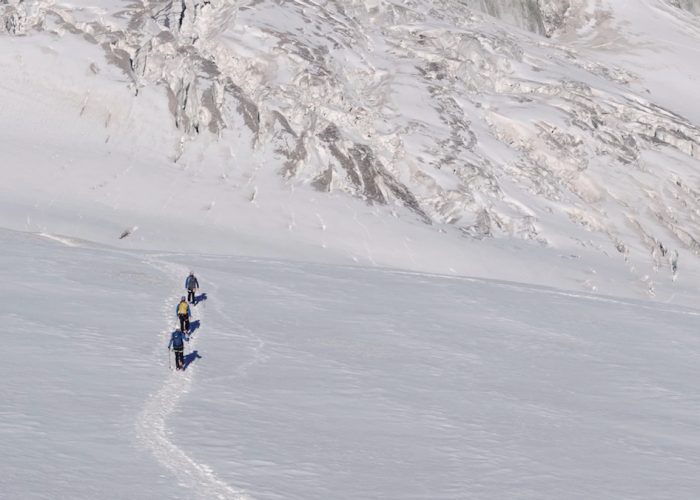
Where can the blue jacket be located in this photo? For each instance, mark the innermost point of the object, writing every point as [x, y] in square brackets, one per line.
[177, 340]
[191, 283]
[189, 313]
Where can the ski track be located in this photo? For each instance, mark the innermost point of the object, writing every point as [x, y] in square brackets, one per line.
[151, 426]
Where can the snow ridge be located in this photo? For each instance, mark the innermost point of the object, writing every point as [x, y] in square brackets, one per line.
[152, 429]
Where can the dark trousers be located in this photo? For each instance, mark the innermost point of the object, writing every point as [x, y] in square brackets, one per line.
[190, 296]
[184, 322]
[179, 357]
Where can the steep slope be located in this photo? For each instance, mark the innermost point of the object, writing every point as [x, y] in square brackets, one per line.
[544, 17]
[690, 5]
[447, 117]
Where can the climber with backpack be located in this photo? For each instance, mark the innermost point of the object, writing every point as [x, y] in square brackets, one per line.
[177, 345]
[192, 286]
[183, 314]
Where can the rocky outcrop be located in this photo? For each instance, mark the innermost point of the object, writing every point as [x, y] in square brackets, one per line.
[544, 17]
[421, 105]
[689, 5]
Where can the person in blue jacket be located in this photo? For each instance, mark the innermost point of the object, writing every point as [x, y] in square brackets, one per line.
[183, 314]
[192, 286]
[177, 345]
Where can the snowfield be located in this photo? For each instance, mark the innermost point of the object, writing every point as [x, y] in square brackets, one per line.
[448, 249]
[309, 381]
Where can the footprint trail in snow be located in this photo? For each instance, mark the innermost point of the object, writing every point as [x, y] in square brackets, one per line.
[151, 426]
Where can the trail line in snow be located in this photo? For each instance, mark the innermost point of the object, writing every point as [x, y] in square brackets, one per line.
[151, 426]
[253, 341]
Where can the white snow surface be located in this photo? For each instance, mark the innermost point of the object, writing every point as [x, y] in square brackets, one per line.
[309, 381]
[449, 249]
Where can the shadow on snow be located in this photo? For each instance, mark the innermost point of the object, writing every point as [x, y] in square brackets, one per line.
[190, 358]
[193, 326]
[199, 298]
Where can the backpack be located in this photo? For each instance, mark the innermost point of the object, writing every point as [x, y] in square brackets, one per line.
[178, 340]
[182, 307]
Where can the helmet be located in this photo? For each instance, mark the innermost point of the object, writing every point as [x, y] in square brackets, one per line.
[183, 298]
[191, 273]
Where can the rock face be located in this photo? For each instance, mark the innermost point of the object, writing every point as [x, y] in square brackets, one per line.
[423, 105]
[549, 17]
[527, 14]
[544, 17]
[689, 5]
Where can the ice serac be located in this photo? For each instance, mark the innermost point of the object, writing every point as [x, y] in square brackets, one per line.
[14, 17]
[544, 17]
[436, 109]
[689, 5]
[524, 13]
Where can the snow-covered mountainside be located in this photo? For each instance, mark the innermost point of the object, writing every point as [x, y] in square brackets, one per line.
[446, 249]
[317, 382]
[417, 134]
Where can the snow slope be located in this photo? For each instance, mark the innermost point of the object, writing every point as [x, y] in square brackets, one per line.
[378, 132]
[79, 337]
[310, 381]
[446, 255]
